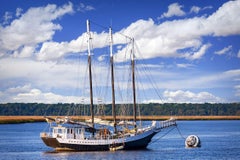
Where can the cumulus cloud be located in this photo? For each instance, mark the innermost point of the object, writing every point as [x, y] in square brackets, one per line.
[65, 76]
[171, 38]
[35, 95]
[226, 14]
[34, 75]
[27, 94]
[181, 96]
[238, 55]
[57, 50]
[39, 74]
[180, 38]
[174, 9]
[29, 31]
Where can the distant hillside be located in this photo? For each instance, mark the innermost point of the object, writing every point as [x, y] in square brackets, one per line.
[187, 109]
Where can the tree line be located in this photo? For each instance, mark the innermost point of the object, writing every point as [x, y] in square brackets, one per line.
[60, 109]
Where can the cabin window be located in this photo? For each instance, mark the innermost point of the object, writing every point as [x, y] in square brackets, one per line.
[59, 130]
[55, 130]
[77, 130]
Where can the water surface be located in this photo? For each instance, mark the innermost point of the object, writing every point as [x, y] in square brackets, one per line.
[219, 139]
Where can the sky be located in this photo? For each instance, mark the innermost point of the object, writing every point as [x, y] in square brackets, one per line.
[192, 50]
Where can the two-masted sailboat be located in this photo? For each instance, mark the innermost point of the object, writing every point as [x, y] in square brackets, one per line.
[68, 134]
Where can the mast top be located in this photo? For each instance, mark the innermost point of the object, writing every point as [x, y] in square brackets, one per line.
[110, 41]
[88, 26]
[132, 55]
[89, 37]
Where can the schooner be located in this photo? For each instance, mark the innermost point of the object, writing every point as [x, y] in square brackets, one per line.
[68, 134]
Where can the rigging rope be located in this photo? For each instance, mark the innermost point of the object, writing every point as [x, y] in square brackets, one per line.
[180, 133]
[106, 28]
[168, 133]
[149, 76]
[162, 135]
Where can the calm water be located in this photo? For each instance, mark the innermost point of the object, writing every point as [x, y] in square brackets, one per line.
[220, 140]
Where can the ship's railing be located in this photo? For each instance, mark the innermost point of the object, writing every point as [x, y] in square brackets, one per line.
[168, 123]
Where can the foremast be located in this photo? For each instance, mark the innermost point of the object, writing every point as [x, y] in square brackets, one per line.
[90, 75]
[112, 80]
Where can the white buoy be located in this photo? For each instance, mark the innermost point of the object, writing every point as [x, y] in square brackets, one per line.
[192, 141]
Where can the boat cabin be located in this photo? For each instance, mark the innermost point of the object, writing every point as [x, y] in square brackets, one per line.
[68, 132]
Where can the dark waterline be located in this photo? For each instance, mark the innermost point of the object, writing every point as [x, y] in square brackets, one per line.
[220, 140]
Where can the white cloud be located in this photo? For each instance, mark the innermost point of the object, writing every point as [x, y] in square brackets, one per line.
[195, 9]
[224, 50]
[7, 16]
[83, 8]
[207, 7]
[199, 53]
[19, 12]
[102, 57]
[18, 89]
[27, 94]
[181, 96]
[24, 52]
[174, 9]
[35, 95]
[57, 50]
[18, 33]
[181, 38]
[226, 14]
[191, 80]
[237, 88]
[167, 39]
[238, 55]
[184, 65]
[39, 73]
[65, 76]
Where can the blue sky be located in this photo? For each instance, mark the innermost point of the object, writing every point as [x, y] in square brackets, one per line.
[191, 47]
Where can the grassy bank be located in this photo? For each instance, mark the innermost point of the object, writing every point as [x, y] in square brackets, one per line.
[29, 119]
[20, 119]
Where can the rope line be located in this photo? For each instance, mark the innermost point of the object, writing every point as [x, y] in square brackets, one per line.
[180, 133]
[162, 136]
[168, 133]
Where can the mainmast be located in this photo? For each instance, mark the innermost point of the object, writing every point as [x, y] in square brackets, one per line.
[133, 86]
[112, 79]
[90, 73]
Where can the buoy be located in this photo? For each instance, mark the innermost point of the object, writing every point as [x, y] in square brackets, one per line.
[192, 141]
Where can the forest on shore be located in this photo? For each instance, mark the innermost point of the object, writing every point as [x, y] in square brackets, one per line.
[155, 109]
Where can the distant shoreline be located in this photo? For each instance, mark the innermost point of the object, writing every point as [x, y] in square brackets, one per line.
[31, 119]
